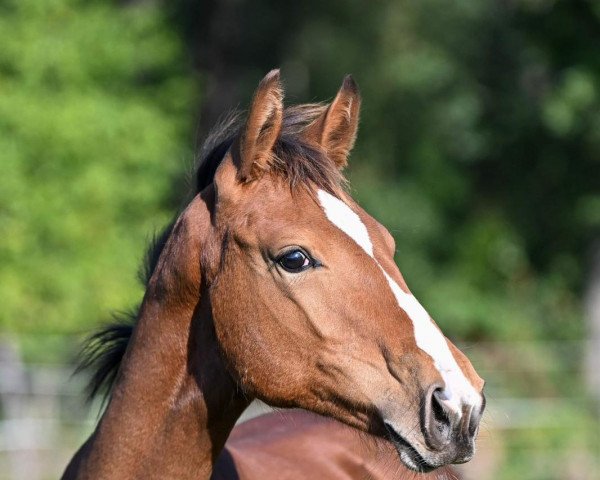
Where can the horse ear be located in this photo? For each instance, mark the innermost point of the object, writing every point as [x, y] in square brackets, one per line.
[255, 143]
[335, 129]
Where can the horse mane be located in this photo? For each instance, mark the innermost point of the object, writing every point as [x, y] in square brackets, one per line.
[295, 160]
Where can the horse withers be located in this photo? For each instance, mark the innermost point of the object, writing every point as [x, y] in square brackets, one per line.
[275, 284]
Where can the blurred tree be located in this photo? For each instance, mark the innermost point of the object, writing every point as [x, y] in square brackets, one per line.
[94, 110]
[479, 149]
[479, 143]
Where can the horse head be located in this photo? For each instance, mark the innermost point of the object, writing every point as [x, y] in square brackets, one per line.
[308, 305]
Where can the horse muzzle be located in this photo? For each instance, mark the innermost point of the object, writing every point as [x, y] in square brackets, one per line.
[447, 433]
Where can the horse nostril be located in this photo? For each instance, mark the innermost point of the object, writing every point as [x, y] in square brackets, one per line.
[439, 413]
[475, 418]
[437, 419]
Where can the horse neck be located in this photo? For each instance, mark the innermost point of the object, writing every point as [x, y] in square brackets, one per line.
[174, 403]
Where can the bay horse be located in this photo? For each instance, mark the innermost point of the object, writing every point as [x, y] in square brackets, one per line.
[274, 284]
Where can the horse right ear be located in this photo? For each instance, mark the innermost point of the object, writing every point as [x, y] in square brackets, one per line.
[252, 150]
[335, 130]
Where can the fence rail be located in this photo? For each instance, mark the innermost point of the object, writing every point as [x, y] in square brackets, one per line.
[43, 418]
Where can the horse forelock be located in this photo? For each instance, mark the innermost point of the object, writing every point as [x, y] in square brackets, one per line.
[301, 163]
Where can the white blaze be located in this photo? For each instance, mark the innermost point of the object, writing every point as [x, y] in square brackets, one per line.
[428, 337]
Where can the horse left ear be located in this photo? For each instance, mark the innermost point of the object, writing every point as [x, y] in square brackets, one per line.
[256, 140]
[335, 129]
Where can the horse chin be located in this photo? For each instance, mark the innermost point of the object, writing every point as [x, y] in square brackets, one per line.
[409, 455]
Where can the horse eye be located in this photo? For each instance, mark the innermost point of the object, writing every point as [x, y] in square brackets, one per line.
[295, 261]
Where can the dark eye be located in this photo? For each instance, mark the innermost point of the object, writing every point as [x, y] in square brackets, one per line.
[295, 261]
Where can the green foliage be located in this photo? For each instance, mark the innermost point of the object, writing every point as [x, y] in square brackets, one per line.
[94, 109]
[479, 149]
[478, 146]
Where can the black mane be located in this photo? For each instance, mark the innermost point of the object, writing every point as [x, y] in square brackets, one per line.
[293, 159]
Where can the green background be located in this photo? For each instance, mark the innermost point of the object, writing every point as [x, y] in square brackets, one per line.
[479, 148]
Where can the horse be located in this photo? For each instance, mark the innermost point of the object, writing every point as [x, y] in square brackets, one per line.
[274, 284]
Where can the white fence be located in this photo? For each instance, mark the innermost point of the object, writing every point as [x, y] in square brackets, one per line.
[43, 418]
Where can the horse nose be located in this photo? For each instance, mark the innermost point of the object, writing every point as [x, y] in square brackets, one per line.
[448, 425]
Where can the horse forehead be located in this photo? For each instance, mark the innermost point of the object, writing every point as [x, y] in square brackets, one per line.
[274, 196]
[356, 223]
[273, 208]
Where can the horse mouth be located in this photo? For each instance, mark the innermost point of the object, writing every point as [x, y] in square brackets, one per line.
[409, 456]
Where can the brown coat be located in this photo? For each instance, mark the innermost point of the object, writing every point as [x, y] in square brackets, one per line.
[299, 445]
